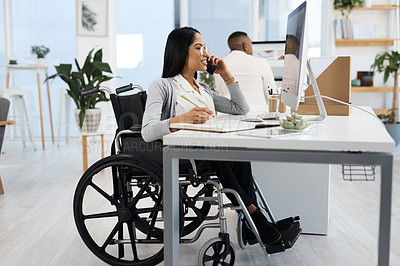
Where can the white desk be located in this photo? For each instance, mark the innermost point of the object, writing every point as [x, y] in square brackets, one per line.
[37, 68]
[357, 139]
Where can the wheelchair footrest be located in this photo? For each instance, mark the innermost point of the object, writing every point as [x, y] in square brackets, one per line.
[290, 233]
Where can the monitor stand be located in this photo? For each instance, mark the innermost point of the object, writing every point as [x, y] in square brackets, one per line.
[320, 103]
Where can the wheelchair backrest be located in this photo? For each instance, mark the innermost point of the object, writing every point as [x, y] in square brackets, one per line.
[129, 109]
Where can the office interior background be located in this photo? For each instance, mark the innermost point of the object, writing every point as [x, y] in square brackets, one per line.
[135, 41]
[134, 46]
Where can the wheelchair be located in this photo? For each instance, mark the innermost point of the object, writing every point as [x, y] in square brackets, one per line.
[118, 202]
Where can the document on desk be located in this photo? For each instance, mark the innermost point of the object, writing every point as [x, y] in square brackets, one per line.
[221, 124]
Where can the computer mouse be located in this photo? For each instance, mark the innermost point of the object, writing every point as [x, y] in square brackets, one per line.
[252, 119]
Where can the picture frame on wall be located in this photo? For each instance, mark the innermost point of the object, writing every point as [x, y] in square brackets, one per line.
[91, 18]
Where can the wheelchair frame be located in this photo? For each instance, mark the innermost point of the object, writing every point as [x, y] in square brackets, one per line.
[130, 173]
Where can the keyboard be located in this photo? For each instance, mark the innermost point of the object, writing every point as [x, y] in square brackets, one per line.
[269, 115]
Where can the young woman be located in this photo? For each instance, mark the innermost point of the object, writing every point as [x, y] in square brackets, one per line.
[185, 54]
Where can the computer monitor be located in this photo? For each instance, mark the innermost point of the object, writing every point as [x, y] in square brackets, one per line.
[295, 62]
[271, 51]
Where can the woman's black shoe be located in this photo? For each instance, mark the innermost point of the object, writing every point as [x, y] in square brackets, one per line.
[269, 233]
[248, 234]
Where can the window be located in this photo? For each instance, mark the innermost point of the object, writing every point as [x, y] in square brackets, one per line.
[141, 38]
[41, 22]
[216, 20]
[276, 13]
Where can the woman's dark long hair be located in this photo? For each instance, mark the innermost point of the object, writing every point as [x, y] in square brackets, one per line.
[176, 50]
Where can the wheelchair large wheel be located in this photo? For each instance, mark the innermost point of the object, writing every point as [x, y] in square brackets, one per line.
[118, 210]
[216, 252]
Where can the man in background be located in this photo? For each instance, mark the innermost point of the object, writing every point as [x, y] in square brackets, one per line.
[253, 74]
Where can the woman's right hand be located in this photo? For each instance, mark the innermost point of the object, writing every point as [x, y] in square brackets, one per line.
[197, 115]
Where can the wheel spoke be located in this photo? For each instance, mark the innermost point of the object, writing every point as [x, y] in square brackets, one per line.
[154, 215]
[153, 195]
[217, 247]
[133, 242]
[104, 194]
[201, 192]
[224, 256]
[112, 234]
[140, 193]
[101, 215]
[121, 185]
[208, 258]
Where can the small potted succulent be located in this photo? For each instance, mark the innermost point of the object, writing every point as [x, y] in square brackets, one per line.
[40, 51]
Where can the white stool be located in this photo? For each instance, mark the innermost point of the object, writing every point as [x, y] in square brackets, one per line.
[65, 102]
[20, 98]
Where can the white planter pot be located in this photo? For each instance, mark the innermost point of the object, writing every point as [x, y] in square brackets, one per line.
[91, 122]
[40, 61]
[367, 3]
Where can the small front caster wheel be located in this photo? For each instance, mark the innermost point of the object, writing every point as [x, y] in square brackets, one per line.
[215, 252]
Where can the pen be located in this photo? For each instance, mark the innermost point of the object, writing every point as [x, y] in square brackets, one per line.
[184, 97]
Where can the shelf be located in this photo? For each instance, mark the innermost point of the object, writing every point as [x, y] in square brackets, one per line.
[364, 42]
[371, 89]
[377, 7]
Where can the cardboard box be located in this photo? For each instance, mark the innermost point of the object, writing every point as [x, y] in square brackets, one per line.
[333, 78]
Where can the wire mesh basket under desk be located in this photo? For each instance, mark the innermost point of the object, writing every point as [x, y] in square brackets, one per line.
[356, 172]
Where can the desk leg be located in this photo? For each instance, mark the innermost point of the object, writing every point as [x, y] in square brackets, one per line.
[102, 146]
[171, 210]
[385, 213]
[51, 117]
[84, 153]
[8, 80]
[40, 108]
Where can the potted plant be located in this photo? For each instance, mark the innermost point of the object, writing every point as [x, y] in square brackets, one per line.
[88, 76]
[208, 79]
[347, 5]
[40, 51]
[389, 64]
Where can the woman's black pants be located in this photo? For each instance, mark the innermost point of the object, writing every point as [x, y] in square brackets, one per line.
[234, 175]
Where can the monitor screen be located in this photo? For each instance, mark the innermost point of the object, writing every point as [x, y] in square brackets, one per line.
[295, 61]
[273, 52]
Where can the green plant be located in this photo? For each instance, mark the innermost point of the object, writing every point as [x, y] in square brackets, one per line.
[389, 63]
[347, 5]
[208, 79]
[40, 51]
[389, 116]
[90, 75]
